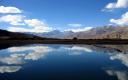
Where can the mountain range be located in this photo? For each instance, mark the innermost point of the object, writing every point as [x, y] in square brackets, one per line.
[105, 32]
[16, 35]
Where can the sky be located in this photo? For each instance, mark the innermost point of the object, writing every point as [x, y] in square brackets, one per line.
[47, 15]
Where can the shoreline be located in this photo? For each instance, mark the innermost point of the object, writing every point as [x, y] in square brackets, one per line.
[67, 41]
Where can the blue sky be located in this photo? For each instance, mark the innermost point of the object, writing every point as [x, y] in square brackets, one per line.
[64, 14]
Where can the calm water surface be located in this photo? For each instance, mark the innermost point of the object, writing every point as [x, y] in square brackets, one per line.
[64, 62]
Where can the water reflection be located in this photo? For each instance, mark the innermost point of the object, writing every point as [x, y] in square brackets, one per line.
[121, 75]
[33, 52]
[122, 57]
[18, 55]
[9, 69]
[76, 50]
[12, 59]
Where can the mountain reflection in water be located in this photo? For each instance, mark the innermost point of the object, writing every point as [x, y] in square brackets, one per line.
[16, 58]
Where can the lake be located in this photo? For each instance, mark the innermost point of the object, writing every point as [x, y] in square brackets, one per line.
[64, 62]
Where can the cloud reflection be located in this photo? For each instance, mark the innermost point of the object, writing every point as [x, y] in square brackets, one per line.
[9, 69]
[18, 56]
[122, 57]
[77, 50]
[38, 52]
[121, 75]
[12, 59]
[34, 52]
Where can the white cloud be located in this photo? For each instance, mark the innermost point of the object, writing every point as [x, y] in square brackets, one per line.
[38, 25]
[9, 9]
[20, 23]
[9, 69]
[35, 25]
[13, 19]
[34, 22]
[122, 21]
[75, 25]
[20, 29]
[80, 29]
[118, 4]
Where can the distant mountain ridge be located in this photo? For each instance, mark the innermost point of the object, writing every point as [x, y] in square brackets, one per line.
[54, 34]
[106, 32]
[15, 35]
